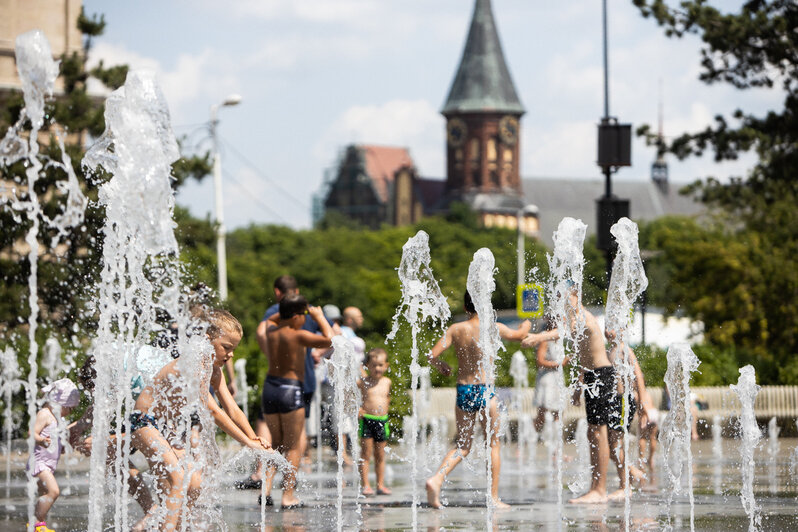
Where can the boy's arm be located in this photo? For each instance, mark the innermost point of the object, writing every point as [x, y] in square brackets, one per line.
[577, 397]
[324, 325]
[514, 335]
[260, 335]
[439, 347]
[532, 340]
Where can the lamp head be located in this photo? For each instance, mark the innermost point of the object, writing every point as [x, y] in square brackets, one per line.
[233, 99]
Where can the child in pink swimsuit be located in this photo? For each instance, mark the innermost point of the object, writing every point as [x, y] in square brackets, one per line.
[60, 398]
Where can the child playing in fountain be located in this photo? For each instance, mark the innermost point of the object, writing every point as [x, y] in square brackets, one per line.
[464, 337]
[281, 403]
[603, 403]
[156, 425]
[60, 398]
[375, 389]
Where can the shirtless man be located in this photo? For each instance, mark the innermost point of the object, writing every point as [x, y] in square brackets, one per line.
[464, 336]
[603, 404]
[156, 423]
[282, 403]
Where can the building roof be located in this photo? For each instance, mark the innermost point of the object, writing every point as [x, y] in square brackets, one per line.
[382, 162]
[557, 198]
[482, 82]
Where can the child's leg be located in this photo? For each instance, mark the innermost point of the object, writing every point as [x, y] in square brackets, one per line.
[599, 457]
[540, 419]
[48, 493]
[166, 466]
[366, 448]
[616, 453]
[272, 424]
[262, 430]
[292, 425]
[495, 452]
[137, 489]
[465, 434]
[379, 467]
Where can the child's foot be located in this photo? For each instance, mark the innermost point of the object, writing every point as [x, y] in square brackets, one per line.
[367, 491]
[434, 493]
[42, 527]
[498, 504]
[382, 490]
[638, 476]
[292, 503]
[617, 495]
[591, 497]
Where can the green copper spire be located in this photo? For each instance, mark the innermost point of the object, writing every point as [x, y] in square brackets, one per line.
[482, 82]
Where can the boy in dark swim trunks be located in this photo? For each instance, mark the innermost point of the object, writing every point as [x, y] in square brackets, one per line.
[464, 336]
[375, 389]
[604, 405]
[281, 403]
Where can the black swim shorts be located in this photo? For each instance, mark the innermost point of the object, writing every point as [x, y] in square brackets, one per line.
[281, 396]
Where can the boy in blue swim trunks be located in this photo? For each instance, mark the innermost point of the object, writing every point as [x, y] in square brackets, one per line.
[464, 337]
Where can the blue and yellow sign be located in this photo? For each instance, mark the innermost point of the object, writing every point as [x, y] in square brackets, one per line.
[529, 300]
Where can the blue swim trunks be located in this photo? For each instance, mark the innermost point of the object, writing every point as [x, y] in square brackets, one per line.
[471, 397]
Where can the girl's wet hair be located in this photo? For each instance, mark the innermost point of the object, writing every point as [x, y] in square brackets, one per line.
[219, 321]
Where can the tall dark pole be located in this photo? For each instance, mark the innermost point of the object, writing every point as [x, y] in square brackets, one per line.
[606, 120]
[614, 151]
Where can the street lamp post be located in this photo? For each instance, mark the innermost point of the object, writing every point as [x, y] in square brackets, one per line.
[221, 248]
[520, 214]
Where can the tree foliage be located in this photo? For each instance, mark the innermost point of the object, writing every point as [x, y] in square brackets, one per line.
[737, 273]
[349, 266]
[65, 276]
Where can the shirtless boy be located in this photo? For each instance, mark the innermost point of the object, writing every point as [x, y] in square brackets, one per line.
[156, 425]
[375, 389]
[464, 336]
[282, 404]
[603, 405]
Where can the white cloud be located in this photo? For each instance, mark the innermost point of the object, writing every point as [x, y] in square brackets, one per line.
[192, 78]
[561, 150]
[415, 124]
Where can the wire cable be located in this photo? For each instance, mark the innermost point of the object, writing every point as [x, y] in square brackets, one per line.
[263, 176]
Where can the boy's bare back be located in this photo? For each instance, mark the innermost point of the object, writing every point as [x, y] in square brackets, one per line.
[465, 339]
[286, 352]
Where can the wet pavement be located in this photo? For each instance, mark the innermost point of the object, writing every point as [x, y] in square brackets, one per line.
[526, 484]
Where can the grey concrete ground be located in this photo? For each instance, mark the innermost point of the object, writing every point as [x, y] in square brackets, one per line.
[526, 484]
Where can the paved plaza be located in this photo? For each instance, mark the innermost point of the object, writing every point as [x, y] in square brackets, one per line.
[527, 485]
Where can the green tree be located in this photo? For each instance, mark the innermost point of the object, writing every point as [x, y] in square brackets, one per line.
[738, 275]
[66, 275]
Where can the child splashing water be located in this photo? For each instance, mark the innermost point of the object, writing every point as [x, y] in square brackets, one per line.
[60, 398]
[158, 411]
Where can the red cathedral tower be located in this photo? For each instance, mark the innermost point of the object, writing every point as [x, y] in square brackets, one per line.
[483, 115]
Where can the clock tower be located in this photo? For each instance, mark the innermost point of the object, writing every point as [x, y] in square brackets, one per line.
[483, 115]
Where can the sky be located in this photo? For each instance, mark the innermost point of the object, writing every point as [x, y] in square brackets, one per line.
[317, 75]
